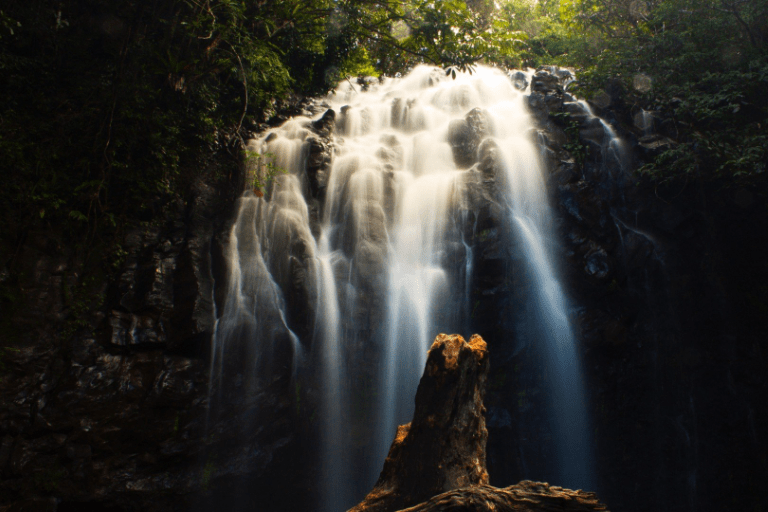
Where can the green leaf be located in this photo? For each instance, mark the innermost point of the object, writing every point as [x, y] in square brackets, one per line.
[74, 214]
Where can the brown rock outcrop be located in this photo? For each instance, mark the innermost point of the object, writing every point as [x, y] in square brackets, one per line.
[437, 462]
[443, 448]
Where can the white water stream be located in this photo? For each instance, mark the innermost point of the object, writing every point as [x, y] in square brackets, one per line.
[391, 267]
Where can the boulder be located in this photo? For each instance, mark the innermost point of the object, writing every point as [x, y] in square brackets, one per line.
[545, 82]
[519, 80]
[653, 145]
[547, 92]
[465, 136]
[324, 125]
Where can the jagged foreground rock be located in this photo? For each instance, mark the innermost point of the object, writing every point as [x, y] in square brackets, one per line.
[437, 462]
[443, 448]
[525, 496]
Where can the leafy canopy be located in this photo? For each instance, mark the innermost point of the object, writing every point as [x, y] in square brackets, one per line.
[112, 108]
[702, 64]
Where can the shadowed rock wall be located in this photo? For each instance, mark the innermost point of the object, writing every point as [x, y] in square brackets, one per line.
[667, 298]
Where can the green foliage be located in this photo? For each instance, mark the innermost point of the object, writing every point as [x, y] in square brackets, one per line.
[358, 63]
[726, 112]
[110, 106]
[263, 170]
[82, 299]
[207, 475]
[50, 479]
[118, 255]
[700, 63]
[398, 35]
[547, 40]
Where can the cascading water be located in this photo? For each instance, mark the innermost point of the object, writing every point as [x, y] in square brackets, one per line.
[388, 216]
[254, 307]
[612, 147]
[530, 214]
[390, 263]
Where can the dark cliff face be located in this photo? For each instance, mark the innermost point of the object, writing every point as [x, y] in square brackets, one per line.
[104, 380]
[668, 298]
[669, 302]
[103, 398]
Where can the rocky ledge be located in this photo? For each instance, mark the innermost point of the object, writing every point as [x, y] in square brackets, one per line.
[437, 462]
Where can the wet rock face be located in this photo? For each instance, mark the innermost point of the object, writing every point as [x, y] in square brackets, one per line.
[320, 156]
[547, 92]
[657, 276]
[296, 283]
[164, 295]
[71, 430]
[443, 448]
[519, 80]
[465, 136]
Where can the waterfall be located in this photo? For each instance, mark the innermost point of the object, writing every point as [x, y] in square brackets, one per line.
[252, 334]
[613, 148]
[531, 220]
[388, 260]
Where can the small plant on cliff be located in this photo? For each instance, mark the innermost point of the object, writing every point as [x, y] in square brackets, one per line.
[578, 151]
[82, 299]
[50, 479]
[263, 170]
[207, 476]
[3, 353]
